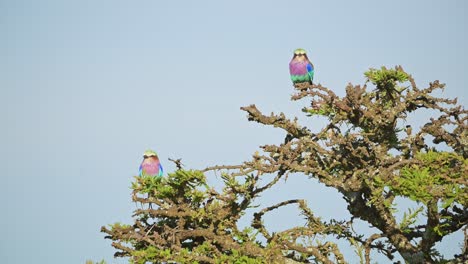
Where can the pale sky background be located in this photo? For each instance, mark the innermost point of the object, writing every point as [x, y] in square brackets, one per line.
[87, 86]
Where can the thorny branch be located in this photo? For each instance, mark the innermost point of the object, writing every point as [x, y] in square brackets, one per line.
[354, 149]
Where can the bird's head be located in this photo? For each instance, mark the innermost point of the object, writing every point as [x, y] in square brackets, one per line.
[300, 54]
[149, 153]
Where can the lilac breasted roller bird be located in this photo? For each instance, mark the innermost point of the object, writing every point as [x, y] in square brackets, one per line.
[150, 166]
[300, 68]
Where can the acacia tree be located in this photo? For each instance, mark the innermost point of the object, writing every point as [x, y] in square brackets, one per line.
[365, 152]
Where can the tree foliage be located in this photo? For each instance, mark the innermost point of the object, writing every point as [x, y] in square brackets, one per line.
[365, 152]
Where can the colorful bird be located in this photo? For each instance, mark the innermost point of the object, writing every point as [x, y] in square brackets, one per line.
[300, 67]
[150, 166]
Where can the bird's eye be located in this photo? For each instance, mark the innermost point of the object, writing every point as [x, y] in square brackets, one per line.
[144, 156]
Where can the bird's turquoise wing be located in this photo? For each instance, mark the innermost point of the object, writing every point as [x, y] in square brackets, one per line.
[161, 171]
[310, 71]
[140, 170]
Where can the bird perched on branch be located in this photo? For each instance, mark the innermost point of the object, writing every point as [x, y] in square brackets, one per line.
[150, 166]
[300, 68]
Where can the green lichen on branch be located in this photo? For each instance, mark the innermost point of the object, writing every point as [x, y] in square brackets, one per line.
[365, 152]
[434, 177]
[181, 219]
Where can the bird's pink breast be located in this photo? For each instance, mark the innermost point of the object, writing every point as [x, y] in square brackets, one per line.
[150, 166]
[298, 67]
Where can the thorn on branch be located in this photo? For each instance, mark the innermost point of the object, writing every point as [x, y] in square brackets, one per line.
[178, 163]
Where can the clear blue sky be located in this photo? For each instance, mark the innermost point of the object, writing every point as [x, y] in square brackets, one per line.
[87, 86]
